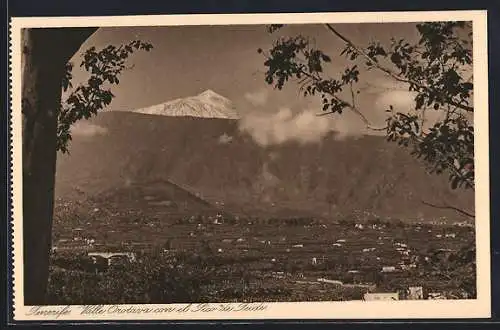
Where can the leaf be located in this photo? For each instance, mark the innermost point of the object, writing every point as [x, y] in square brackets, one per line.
[396, 58]
[468, 85]
[325, 58]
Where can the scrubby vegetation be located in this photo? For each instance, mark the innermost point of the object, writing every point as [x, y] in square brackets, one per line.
[236, 259]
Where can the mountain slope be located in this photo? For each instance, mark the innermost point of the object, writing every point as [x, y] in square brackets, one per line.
[205, 105]
[332, 178]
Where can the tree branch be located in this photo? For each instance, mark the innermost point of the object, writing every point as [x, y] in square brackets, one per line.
[451, 165]
[422, 122]
[348, 105]
[390, 72]
[359, 113]
[417, 139]
[352, 95]
[449, 207]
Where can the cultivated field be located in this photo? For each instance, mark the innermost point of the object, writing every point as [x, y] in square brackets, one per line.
[210, 257]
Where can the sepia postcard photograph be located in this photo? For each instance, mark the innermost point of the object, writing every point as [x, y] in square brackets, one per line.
[250, 166]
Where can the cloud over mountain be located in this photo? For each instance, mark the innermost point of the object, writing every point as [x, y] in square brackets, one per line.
[257, 98]
[305, 127]
[282, 126]
[404, 101]
[225, 138]
[401, 100]
[86, 129]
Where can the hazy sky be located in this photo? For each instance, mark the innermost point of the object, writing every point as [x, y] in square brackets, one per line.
[188, 60]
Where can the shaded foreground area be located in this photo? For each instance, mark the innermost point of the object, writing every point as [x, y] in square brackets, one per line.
[183, 279]
[224, 258]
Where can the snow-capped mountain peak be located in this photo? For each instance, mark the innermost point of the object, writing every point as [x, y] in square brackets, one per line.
[207, 104]
[210, 94]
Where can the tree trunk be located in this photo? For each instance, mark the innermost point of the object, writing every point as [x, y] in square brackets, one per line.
[45, 54]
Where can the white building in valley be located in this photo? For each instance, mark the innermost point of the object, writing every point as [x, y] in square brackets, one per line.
[111, 255]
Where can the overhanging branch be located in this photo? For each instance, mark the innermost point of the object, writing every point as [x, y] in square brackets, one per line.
[389, 71]
[417, 139]
[349, 105]
[450, 207]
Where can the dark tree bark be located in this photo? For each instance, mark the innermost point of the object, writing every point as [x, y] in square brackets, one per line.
[45, 53]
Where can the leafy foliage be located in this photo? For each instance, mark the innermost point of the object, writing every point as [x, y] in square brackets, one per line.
[434, 69]
[105, 66]
[458, 267]
[152, 279]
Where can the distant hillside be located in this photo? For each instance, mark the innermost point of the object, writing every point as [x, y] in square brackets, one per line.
[212, 160]
[158, 196]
